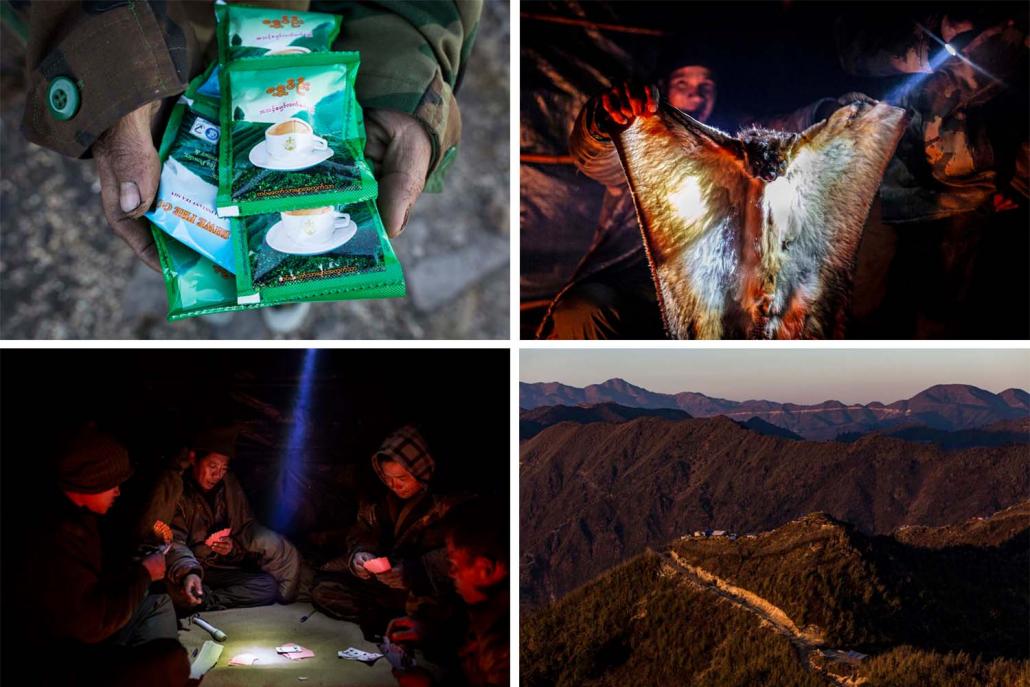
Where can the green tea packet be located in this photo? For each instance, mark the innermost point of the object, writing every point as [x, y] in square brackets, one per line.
[197, 265]
[195, 285]
[184, 206]
[292, 135]
[256, 31]
[339, 250]
[304, 223]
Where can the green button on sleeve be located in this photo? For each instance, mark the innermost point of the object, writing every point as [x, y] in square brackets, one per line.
[63, 98]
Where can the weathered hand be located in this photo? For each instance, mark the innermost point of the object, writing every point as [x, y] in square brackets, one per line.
[623, 103]
[222, 546]
[193, 588]
[155, 565]
[405, 630]
[399, 150]
[393, 578]
[130, 171]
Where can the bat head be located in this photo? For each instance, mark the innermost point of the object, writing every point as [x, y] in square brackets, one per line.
[765, 152]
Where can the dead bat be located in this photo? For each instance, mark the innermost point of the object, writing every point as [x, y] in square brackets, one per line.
[755, 236]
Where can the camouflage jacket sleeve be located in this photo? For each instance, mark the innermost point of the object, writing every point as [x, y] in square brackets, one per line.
[595, 156]
[119, 54]
[945, 164]
[413, 55]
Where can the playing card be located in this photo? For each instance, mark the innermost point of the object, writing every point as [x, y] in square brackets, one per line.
[353, 654]
[377, 566]
[243, 660]
[302, 653]
[162, 530]
[288, 648]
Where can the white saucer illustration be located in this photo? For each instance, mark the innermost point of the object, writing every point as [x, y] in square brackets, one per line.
[278, 238]
[259, 157]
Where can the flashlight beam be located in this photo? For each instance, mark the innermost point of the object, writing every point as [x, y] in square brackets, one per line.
[292, 462]
[955, 53]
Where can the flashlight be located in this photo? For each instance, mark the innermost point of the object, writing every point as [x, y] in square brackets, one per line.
[215, 632]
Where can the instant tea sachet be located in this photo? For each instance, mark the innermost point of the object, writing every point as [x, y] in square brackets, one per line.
[184, 207]
[292, 134]
[195, 285]
[338, 251]
[255, 31]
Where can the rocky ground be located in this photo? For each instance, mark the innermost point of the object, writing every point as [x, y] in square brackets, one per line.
[64, 275]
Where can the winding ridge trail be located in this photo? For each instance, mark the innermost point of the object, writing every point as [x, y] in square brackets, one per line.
[808, 643]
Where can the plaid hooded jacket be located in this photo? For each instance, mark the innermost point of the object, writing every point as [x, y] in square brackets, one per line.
[408, 532]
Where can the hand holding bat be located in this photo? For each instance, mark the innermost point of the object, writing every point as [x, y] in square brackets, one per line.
[620, 105]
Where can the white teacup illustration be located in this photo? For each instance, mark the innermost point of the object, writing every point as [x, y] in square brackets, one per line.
[312, 226]
[290, 50]
[291, 139]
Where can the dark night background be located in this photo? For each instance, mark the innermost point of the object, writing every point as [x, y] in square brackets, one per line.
[769, 58]
[154, 399]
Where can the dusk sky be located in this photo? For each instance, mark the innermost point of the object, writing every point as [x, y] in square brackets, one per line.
[799, 376]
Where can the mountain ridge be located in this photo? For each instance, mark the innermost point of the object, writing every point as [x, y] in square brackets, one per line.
[947, 407]
[812, 602]
[594, 494]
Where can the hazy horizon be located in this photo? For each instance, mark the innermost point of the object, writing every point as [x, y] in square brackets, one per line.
[783, 375]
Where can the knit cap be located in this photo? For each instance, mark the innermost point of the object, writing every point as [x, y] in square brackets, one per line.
[92, 462]
[221, 440]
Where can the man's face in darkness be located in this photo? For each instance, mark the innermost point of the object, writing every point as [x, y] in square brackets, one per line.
[98, 503]
[692, 90]
[209, 470]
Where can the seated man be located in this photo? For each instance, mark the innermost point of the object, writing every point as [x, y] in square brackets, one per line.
[403, 526]
[221, 557]
[477, 548]
[84, 605]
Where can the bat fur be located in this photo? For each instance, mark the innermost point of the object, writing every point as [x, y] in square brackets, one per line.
[756, 236]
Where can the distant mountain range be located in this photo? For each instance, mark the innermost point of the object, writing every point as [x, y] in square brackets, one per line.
[532, 422]
[946, 407]
[812, 602]
[593, 495]
[995, 434]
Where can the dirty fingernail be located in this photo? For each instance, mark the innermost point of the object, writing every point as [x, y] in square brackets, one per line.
[129, 197]
[405, 222]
